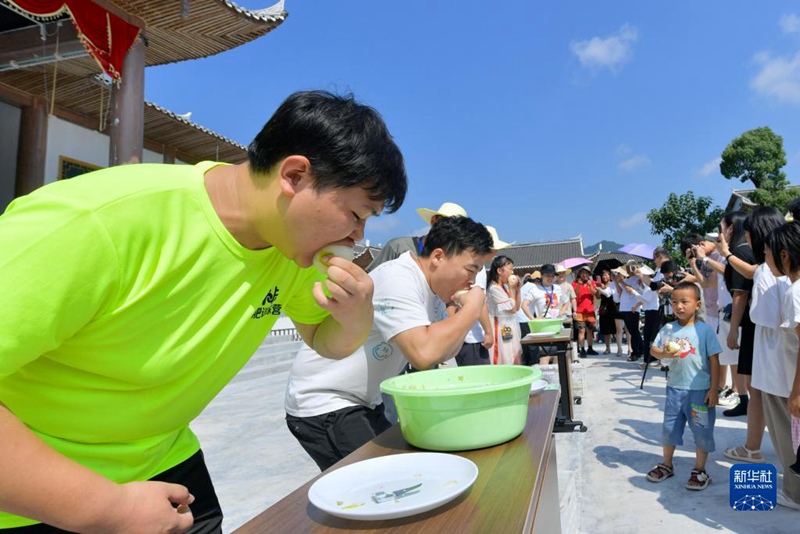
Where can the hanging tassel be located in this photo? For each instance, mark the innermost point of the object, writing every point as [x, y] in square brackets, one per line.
[55, 69]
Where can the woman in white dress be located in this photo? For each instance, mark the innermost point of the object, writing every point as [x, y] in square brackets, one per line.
[503, 300]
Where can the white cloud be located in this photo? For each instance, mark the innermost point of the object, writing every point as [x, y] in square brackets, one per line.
[779, 77]
[381, 225]
[634, 220]
[610, 52]
[711, 167]
[623, 150]
[790, 23]
[636, 162]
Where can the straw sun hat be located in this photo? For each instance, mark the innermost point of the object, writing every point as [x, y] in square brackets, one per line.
[561, 269]
[498, 243]
[448, 209]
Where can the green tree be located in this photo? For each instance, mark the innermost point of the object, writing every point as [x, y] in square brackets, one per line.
[681, 216]
[758, 156]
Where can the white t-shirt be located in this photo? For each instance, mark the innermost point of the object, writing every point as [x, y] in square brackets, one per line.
[770, 366]
[521, 317]
[539, 297]
[402, 300]
[614, 292]
[475, 334]
[791, 318]
[626, 299]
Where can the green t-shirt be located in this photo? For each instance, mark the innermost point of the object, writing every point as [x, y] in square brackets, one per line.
[126, 307]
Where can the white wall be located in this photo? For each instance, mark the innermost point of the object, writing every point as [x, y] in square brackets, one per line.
[73, 141]
[148, 156]
[9, 143]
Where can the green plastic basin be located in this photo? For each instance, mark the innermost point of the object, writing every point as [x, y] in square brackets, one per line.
[462, 408]
[545, 325]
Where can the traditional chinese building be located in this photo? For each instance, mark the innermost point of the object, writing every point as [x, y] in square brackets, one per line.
[72, 83]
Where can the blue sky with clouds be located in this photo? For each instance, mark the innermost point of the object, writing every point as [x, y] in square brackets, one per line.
[543, 120]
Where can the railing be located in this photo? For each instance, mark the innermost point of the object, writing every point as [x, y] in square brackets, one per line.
[287, 334]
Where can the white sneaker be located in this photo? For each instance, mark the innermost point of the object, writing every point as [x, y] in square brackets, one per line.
[786, 502]
[728, 398]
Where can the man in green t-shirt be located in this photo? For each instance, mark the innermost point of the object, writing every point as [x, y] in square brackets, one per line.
[132, 295]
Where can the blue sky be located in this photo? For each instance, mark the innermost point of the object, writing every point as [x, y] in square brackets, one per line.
[545, 120]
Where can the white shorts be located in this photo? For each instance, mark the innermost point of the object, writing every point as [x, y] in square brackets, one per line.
[727, 356]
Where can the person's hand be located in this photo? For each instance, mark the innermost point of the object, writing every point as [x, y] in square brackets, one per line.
[794, 404]
[348, 292]
[733, 339]
[488, 340]
[712, 397]
[665, 288]
[628, 288]
[722, 245]
[671, 349]
[475, 295]
[150, 507]
[699, 252]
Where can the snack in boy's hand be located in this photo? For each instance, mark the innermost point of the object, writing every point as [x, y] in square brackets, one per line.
[340, 251]
[673, 347]
[458, 295]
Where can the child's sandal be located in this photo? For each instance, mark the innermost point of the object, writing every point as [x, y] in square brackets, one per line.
[698, 481]
[660, 473]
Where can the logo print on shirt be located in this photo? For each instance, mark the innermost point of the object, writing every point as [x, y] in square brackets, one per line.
[382, 351]
[267, 305]
[686, 348]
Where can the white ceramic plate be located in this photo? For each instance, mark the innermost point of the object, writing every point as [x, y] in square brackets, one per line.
[347, 492]
[538, 386]
[542, 334]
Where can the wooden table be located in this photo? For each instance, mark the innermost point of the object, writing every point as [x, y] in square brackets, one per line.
[563, 345]
[516, 489]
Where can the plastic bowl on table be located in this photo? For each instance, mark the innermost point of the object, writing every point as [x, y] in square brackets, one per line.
[545, 325]
[462, 408]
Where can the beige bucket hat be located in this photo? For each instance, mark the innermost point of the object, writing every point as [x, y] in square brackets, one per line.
[561, 269]
[498, 243]
[448, 209]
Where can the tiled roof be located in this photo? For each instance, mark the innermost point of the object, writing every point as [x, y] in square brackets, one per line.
[530, 255]
[740, 199]
[364, 254]
[195, 142]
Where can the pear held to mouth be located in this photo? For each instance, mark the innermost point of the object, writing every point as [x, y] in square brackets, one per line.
[340, 251]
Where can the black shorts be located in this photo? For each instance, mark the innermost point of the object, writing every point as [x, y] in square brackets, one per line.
[191, 473]
[746, 345]
[472, 354]
[329, 437]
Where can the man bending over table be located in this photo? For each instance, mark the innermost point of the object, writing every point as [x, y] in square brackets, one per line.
[334, 406]
[132, 295]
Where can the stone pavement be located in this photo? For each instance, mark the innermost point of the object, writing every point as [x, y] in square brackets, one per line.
[255, 461]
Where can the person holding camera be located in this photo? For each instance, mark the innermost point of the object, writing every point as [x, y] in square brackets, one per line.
[629, 309]
[709, 267]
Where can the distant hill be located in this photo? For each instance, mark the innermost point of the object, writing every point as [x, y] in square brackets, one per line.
[608, 246]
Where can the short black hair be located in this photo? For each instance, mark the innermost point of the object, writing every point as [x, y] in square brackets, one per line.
[347, 143]
[759, 224]
[455, 235]
[668, 267]
[688, 286]
[785, 237]
[689, 241]
[497, 263]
